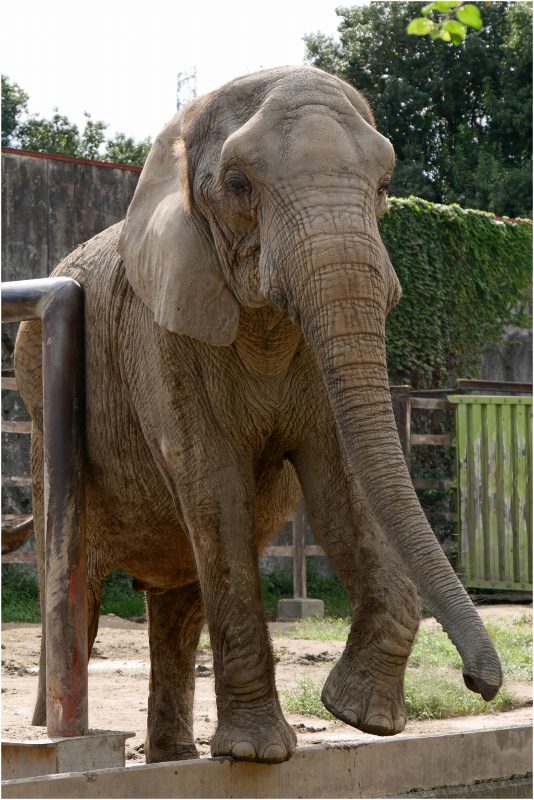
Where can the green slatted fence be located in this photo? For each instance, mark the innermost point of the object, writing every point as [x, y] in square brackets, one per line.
[494, 490]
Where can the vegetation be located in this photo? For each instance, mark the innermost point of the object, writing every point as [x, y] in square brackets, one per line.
[276, 585]
[119, 598]
[465, 277]
[460, 118]
[429, 695]
[20, 596]
[59, 135]
[433, 684]
[447, 20]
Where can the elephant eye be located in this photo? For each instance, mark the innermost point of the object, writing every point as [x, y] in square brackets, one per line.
[236, 183]
[385, 185]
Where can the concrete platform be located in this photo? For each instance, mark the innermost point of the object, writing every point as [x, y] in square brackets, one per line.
[444, 765]
[299, 608]
[41, 755]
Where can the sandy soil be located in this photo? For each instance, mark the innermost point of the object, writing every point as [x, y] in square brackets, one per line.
[118, 684]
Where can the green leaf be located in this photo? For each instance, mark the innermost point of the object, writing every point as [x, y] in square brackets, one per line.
[442, 6]
[444, 35]
[456, 30]
[420, 26]
[470, 15]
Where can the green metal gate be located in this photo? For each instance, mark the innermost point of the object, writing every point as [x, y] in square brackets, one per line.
[494, 488]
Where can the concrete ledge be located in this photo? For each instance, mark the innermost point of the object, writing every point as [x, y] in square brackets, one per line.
[379, 768]
[43, 755]
[487, 790]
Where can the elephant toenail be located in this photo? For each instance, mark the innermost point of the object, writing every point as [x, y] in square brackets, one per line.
[350, 717]
[378, 725]
[244, 750]
[400, 724]
[274, 753]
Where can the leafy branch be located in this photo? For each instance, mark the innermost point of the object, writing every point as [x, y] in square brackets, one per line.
[447, 20]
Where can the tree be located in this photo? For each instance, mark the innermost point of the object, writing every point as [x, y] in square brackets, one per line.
[14, 105]
[123, 149]
[460, 118]
[60, 136]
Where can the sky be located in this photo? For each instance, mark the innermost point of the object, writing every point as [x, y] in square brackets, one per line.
[119, 60]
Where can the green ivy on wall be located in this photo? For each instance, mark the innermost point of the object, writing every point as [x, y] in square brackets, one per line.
[465, 276]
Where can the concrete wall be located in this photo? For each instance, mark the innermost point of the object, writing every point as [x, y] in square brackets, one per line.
[50, 204]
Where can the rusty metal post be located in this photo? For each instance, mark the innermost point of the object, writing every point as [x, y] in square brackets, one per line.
[299, 554]
[58, 302]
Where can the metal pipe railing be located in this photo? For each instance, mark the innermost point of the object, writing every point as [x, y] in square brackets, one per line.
[58, 303]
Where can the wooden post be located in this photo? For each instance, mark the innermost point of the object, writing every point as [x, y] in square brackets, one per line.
[299, 556]
[400, 399]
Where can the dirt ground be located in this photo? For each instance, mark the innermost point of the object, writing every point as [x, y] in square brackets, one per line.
[119, 671]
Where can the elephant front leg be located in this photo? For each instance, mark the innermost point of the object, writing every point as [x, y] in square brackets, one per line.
[365, 688]
[251, 725]
[174, 624]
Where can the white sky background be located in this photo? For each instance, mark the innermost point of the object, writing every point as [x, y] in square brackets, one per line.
[119, 60]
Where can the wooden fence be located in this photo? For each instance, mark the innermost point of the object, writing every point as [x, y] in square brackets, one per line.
[406, 404]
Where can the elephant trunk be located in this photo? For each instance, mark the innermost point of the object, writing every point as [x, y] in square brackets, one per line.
[342, 312]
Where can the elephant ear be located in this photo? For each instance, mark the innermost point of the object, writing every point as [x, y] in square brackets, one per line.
[168, 261]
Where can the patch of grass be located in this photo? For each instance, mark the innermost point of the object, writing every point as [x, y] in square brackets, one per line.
[119, 598]
[20, 595]
[306, 700]
[274, 586]
[330, 590]
[433, 648]
[327, 629]
[430, 695]
[514, 646]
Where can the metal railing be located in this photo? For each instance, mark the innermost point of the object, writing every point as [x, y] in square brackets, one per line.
[58, 303]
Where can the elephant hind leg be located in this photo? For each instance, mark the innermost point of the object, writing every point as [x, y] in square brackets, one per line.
[175, 621]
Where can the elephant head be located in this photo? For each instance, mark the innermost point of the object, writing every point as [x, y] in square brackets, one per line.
[268, 192]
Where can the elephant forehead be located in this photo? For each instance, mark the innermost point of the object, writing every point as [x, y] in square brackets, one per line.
[273, 142]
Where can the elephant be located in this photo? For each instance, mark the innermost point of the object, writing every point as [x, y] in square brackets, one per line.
[236, 361]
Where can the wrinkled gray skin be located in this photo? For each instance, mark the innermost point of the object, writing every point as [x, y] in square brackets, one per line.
[235, 349]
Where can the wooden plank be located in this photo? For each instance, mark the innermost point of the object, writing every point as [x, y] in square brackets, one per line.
[432, 439]
[19, 558]
[22, 426]
[16, 480]
[429, 404]
[494, 387]
[299, 556]
[286, 551]
[401, 402]
[528, 504]
[314, 550]
[10, 384]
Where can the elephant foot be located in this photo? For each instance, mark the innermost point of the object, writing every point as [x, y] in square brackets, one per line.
[371, 702]
[255, 736]
[160, 748]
